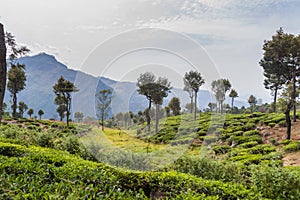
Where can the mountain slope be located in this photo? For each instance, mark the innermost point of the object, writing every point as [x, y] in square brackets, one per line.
[43, 70]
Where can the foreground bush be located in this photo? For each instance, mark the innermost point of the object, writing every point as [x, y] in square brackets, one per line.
[40, 173]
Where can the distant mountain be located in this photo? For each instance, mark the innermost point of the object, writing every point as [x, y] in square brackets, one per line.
[43, 70]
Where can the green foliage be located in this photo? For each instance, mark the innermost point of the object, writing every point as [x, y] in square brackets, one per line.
[292, 147]
[63, 89]
[174, 105]
[275, 182]
[251, 133]
[46, 173]
[221, 149]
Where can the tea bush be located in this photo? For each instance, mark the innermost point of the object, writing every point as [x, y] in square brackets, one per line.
[39, 173]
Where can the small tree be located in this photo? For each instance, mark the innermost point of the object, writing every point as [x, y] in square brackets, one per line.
[61, 110]
[212, 106]
[194, 81]
[78, 116]
[167, 109]
[16, 83]
[154, 90]
[104, 98]
[30, 112]
[63, 90]
[174, 105]
[233, 94]
[220, 88]
[22, 108]
[252, 101]
[40, 113]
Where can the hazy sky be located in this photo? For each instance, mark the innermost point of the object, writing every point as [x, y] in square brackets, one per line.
[114, 38]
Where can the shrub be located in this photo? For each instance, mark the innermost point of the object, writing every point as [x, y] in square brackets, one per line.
[285, 142]
[292, 147]
[248, 144]
[275, 182]
[251, 133]
[221, 149]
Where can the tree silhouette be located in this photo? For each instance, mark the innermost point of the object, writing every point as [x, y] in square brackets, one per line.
[154, 90]
[78, 116]
[104, 98]
[220, 88]
[252, 101]
[16, 74]
[174, 105]
[63, 90]
[233, 94]
[30, 112]
[281, 64]
[22, 108]
[40, 113]
[193, 80]
[16, 83]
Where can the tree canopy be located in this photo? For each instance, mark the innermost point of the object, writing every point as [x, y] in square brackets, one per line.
[220, 87]
[193, 81]
[63, 90]
[104, 98]
[155, 90]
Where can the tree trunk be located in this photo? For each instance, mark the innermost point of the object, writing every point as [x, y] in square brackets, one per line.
[191, 96]
[195, 109]
[294, 95]
[102, 120]
[156, 118]
[232, 102]
[148, 116]
[68, 109]
[295, 112]
[14, 113]
[288, 124]
[275, 100]
[3, 69]
[221, 107]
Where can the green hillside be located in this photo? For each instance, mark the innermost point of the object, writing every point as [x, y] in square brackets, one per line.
[43, 159]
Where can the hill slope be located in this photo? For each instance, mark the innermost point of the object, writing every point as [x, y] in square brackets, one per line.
[43, 70]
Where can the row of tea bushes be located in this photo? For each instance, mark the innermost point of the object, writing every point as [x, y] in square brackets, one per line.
[41, 173]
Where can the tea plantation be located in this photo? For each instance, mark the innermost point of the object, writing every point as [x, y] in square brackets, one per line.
[46, 160]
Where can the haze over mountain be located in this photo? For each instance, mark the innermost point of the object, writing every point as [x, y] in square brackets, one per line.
[43, 70]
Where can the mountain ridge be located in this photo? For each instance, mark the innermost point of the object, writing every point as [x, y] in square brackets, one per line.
[43, 70]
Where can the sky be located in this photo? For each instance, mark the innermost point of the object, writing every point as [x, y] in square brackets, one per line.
[120, 39]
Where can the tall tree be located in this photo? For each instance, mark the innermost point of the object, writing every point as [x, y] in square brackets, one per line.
[252, 101]
[104, 98]
[16, 74]
[274, 63]
[220, 88]
[174, 105]
[154, 90]
[16, 83]
[41, 113]
[3, 69]
[63, 90]
[30, 112]
[22, 108]
[281, 61]
[233, 94]
[194, 80]
[145, 84]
